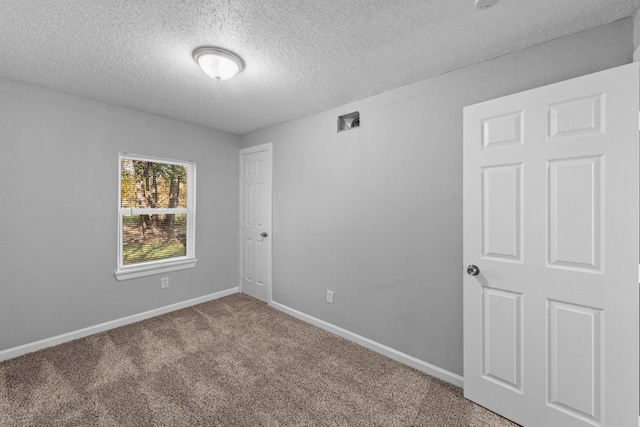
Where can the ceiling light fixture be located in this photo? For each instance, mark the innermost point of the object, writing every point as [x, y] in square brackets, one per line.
[218, 63]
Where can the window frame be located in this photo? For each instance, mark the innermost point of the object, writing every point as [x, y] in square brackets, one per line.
[132, 271]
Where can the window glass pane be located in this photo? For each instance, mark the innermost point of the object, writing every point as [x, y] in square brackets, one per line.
[147, 184]
[153, 237]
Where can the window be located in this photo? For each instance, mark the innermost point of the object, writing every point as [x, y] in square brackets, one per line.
[156, 216]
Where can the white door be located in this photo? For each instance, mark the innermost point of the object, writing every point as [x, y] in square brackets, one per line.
[551, 222]
[255, 221]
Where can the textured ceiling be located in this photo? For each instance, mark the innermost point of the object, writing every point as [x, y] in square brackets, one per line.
[302, 56]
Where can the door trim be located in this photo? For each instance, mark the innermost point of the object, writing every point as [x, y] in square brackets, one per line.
[268, 148]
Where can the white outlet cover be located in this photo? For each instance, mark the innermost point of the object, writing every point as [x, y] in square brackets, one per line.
[330, 297]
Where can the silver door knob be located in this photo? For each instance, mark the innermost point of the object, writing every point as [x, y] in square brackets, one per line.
[264, 234]
[473, 270]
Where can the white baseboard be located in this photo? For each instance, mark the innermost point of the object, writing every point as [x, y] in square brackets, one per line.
[81, 333]
[391, 353]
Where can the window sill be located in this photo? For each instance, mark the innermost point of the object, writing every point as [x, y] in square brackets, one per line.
[149, 270]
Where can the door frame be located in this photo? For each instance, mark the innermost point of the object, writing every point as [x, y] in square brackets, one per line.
[268, 148]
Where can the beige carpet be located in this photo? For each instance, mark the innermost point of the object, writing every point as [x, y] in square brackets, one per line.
[230, 362]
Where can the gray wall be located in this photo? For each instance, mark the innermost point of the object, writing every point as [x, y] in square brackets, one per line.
[375, 214]
[58, 192]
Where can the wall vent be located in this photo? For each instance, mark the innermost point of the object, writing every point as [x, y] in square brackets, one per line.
[349, 121]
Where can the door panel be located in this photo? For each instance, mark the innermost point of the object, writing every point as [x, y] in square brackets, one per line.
[502, 337]
[575, 117]
[575, 213]
[575, 358]
[502, 130]
[501, 212]
[551, 220]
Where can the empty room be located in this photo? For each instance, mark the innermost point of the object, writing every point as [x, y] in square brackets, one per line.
[298, 213]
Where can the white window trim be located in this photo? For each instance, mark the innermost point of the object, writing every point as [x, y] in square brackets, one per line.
[167, 265]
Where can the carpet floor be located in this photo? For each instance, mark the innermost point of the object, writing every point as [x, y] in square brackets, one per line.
[230, 362]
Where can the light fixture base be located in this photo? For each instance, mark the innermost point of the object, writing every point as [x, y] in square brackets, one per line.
[485, 4]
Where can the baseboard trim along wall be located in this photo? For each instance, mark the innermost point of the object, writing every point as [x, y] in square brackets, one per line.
[391, 353]
[81, 333]
[365, 342]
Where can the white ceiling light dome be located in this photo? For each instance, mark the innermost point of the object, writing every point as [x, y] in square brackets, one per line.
[218, 63]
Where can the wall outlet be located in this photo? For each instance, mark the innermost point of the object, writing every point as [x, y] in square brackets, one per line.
[329, 296]
[164, 283]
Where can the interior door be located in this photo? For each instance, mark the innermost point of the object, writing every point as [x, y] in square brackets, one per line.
[255, 221]
[551, 237]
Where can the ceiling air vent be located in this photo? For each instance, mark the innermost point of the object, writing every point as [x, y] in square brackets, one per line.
[349, 121]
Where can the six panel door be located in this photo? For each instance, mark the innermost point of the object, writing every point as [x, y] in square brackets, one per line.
[255, 221]
[551, 220]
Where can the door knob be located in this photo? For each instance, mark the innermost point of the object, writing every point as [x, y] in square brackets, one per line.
[473, 270]
[264, 234]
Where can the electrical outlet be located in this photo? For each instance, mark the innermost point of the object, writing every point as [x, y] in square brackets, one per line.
[164, 283]
[329, 296]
